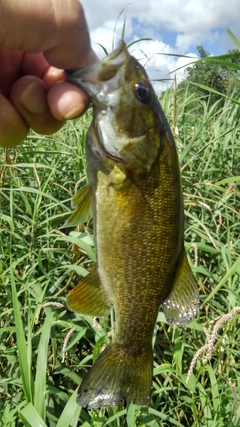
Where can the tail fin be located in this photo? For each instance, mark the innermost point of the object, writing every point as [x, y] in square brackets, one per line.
[117, 376]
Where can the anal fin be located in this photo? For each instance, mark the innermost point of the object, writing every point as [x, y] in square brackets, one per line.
[182, 304]
[88, 297]
[82, 203]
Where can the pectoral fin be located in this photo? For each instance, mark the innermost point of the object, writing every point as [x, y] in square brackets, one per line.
[88, 297]
[82, 204]
[181, 305]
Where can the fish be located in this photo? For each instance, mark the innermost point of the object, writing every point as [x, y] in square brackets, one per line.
[134, 196]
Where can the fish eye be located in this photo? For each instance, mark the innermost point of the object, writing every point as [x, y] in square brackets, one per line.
[142, 92]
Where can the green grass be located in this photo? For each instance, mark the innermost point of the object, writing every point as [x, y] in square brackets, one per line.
[40, 262]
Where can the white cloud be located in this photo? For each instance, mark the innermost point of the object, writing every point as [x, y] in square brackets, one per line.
[159, 65]
[175, 26]
[108, 36]
[188, 17]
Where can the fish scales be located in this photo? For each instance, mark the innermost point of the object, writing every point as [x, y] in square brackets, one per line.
[136, 202]
[137, 241]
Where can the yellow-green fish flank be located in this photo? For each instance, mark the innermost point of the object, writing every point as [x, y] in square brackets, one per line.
[135, 197]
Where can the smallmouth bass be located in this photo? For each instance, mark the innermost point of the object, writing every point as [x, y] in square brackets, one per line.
[135, 197]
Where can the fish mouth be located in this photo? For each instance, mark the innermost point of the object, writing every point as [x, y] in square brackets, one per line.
[113, 156]
[100, 81]
[92, 78]
[102, 150]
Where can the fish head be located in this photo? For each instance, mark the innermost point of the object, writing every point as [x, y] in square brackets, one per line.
[127, 120]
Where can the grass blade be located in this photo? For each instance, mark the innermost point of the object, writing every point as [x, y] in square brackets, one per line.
[222, 282]
[40, 380]
[234, 39]
[22, 345]
[71, 413]
[31, 417]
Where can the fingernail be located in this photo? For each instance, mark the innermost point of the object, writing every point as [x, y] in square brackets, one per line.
[73, 113]
[34, 99]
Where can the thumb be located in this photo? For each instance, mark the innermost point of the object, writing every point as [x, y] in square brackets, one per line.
[55, 27]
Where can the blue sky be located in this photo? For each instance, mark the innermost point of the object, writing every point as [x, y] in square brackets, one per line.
[174, 26]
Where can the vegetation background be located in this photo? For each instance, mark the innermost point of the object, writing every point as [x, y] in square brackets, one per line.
[45, 349]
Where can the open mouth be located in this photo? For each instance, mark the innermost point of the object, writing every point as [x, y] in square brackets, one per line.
[100, 147]
[110, 155]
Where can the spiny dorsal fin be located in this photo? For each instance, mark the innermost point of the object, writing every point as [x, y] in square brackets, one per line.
[88, 297]
[182, 304]
[82, 203]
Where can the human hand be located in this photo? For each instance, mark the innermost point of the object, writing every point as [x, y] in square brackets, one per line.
[38, 39]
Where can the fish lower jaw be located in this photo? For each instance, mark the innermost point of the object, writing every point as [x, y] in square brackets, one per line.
[105, 153]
